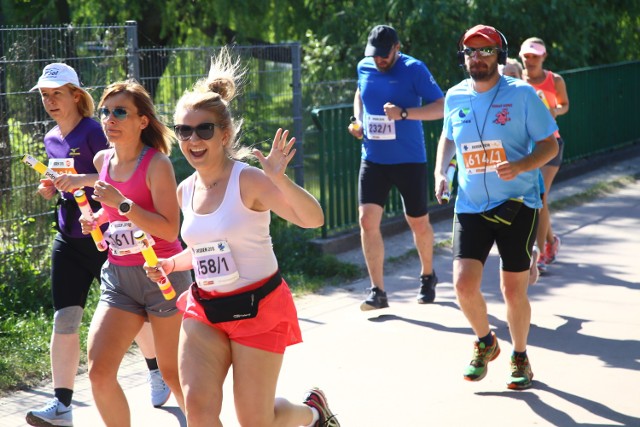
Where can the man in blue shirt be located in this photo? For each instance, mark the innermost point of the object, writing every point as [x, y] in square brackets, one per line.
[501, 133]
[395, 93]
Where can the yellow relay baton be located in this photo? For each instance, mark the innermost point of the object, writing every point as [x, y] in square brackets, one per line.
[150, 257]
[39, 166]
[87, 213]
[451, 172]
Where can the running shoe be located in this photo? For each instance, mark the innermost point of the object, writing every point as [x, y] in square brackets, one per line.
[54, 413]
[160, 391]
[315, 398]
[521, 374]
[377, 299]
[551, 250]
[482, 355]
[533, 269]
[542, 264]
[427, 293]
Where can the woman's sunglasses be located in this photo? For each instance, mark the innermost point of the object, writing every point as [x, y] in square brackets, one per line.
[118, 112]
[203, 130]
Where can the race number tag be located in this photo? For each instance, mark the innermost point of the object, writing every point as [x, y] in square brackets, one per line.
[120, 238]
[479, 159]
[380, 127]
[62, 166]
[213, 265]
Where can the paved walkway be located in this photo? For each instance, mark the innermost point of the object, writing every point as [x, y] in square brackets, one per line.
[402, 366]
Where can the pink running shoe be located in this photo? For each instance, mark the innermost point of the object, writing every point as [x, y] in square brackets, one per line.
[551, 250]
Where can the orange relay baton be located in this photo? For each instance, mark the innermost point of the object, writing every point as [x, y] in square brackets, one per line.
[87, 213]
[150, 257]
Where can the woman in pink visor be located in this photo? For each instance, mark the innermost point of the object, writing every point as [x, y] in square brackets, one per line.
[552, 90]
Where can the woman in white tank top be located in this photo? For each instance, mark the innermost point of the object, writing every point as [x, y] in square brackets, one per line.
[227, 207]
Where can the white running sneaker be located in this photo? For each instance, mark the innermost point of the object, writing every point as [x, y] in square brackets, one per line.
[51, 415]
[160, 391]
[533, 269]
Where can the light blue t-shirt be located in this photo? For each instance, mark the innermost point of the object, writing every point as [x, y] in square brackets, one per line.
[508, 120]
[407, 84]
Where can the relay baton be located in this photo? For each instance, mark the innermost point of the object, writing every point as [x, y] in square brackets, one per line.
[87, 213]
[451, 171]
[355, 125]
[39, 167]
[150, 257]
[541, 95]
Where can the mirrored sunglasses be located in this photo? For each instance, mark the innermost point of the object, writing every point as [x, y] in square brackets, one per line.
[203, 130]
[482, 51]
[118, 112]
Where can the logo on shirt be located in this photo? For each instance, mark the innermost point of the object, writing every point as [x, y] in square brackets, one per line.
[74, 152]
[502, 117]
[462, 113]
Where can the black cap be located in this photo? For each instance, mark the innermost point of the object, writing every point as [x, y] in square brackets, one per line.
[381, 39]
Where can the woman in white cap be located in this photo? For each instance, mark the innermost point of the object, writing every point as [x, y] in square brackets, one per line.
[552, 90]
[75, 261]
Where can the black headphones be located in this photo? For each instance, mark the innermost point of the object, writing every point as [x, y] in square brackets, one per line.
[503, 52]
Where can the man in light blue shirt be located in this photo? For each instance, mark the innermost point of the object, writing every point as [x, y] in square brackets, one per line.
[501, 133]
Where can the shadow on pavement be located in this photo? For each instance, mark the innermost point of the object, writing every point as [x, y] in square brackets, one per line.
[559, 418]
[176, 412]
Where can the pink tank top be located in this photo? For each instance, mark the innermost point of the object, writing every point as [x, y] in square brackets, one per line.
[135, 188]
[548, 88]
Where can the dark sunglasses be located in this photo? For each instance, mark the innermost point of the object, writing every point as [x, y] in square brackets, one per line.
[118, 112]
[483, 51]
[203, 130]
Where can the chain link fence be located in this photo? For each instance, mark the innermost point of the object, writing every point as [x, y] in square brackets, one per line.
[271, 98]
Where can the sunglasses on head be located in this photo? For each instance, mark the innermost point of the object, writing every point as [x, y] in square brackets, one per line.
[483, 51]
[118, 112]
[203, 130]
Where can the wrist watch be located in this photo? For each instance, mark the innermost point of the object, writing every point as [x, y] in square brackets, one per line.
[125, 207]
[404, 114]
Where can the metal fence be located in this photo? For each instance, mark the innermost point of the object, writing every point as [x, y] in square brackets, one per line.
[603, 103]
[271, 98]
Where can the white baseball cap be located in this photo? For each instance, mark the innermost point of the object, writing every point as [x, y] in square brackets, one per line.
[56, 75]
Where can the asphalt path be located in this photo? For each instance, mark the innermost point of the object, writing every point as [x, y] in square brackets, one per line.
[402, 366]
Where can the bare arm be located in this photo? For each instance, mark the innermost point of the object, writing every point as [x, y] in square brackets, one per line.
[70, 182]
[357, 113]
[562, 97]
[271, 189]
[446, 151]
[544, 151]
[432, 111]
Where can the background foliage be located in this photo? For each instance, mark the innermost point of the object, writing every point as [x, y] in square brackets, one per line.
[579, 33]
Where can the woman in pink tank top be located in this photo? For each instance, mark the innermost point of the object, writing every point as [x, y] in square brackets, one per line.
[136, 188]
[552, 90]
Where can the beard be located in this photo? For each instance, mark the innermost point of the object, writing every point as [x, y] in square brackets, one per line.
[385, 66]
[482, 74]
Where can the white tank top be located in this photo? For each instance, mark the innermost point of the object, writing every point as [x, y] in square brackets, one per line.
[246, 233]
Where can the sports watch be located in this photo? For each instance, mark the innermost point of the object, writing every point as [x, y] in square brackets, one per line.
[404, 114]
[125, 207]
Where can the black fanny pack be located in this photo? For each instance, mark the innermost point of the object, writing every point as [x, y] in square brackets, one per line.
[504, 213]
[236, 307]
